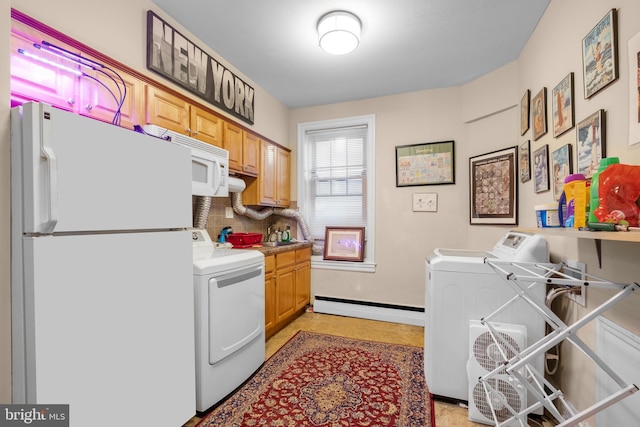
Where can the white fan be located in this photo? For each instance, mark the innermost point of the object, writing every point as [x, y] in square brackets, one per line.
[501, 391]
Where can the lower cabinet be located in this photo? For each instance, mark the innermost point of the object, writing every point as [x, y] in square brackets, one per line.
[287, 288]
[269, 294]
[302, 272]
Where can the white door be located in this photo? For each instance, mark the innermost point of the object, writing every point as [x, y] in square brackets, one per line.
[111, 330]
[236, 310]
[88, 176]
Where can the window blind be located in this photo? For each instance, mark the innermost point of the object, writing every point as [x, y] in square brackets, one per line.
[336, 177]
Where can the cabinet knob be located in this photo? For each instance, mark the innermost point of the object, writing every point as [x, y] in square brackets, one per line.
[71, 101]
[194, 133]
[188, 131]
[88, 107]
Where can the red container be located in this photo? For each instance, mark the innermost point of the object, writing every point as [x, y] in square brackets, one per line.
[244, 239]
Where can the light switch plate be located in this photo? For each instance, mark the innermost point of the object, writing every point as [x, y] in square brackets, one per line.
[425, 202]
[228, 212]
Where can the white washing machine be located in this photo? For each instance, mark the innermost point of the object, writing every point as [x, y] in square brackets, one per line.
[461, 287]
[229, 318]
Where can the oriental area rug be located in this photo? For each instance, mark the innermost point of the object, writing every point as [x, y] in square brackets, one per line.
[325, 380]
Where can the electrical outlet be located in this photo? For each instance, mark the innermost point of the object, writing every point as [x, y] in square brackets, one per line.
[577, 269]
[228, 212]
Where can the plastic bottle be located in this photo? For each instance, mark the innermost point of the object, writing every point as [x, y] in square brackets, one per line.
[594, 198]
[222, 238]
[575, 196]
[286, 234]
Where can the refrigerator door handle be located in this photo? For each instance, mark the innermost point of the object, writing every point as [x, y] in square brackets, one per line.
[217, 170]
[47, 153]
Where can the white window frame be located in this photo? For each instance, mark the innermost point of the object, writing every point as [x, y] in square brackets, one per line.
[368, 265]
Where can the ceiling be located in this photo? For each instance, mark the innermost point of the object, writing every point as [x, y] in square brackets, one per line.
[406, 45]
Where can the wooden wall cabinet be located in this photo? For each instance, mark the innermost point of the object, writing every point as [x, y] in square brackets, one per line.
[287, 288]
[35, 80]
[55, 80]
[175, 113]
[283, 177]
[206, 127]
[243, 148]
[250, 154]
[166, 110]
[98, 103]
[272, 185]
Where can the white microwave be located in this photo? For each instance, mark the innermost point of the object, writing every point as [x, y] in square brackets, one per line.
[209, 164]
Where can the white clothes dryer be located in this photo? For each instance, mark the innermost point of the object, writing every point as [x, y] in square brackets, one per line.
[229, 318]
[461, 287]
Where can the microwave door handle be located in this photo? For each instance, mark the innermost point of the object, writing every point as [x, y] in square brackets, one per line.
[51, 193]
[217, 170]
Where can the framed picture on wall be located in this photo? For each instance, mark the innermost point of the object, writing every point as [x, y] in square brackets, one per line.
[590, 135]
[525, 162]
[561, 166]
[431, 163]
[524, 112]
[600, 55]
[634, 89]
[539, 113]
[541, 169]
[562, 106]
[493, 187]
[344, 244]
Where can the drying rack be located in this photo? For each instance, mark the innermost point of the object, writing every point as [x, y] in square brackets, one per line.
[522, 277]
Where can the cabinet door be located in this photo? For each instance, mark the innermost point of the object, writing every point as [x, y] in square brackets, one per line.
[233, 136]
[267, 179]
[54, 82]
[269, 303]
[166, 110]
[97, 98]
[250, 154]
[303, 284]
[269, 295]
[285, 294]
[283, 183]
[206, 127]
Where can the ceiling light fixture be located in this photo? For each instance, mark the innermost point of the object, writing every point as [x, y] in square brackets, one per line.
[339, 32]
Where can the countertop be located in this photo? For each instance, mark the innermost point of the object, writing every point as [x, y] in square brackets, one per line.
[272, 250]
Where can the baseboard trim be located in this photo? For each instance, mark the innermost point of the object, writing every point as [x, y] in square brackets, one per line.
[369, 310]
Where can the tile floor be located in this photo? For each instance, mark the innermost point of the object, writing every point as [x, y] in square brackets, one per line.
[447, 414]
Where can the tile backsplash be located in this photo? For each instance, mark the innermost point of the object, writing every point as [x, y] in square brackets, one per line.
[241, 224]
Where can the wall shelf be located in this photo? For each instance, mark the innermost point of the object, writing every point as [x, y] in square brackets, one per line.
[596, 236]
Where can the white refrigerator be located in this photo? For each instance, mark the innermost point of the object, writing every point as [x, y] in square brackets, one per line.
[102, 271]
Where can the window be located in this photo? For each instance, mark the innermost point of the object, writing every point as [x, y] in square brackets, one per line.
[336, 181]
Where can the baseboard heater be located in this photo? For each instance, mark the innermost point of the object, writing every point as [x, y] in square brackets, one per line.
[369, 310]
